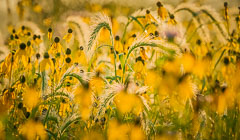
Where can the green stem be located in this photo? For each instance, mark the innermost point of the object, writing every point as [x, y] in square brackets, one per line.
[219, 59]
[91, 60]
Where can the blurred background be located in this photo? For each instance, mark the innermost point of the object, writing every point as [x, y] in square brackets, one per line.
[44, 12]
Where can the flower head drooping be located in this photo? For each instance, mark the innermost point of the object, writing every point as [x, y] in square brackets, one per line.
[162, 12]
[172, 20]
[56, 47]
[118, 45]
[46, 63]
[226, 11]
[21, 54]
[50, 33]
[81, 57]
[143, 54]
[68, 36]
[149, 18]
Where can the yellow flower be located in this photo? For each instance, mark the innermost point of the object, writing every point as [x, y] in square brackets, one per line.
[33, 130]
[117, 131]
[56, 47]
[46, 63]
[162, 12]
[97, 85]
[31, 97]
[29, 49]
[184, 89]
[115, 26]
[201, 68]
[226, 11]
[50, 33]
[139, 68]
[37, 40]
[143, 54]
[129, 43]
[136, 133]
[149, 18]
[37, 8]
[68, 36]
[128, 102]
[172, 20]
[82, 96]
[81, 57]
[64, 107]
[22, 54]
[187, 61]
[152, 80]
[104, 35]
[118, 45]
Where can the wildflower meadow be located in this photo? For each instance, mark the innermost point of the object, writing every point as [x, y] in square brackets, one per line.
[119, 70]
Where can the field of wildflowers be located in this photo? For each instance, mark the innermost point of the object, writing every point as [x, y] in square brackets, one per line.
[84, 70]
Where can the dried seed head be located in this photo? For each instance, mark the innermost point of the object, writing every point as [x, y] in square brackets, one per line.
[225, 4]
[199, 42]
[117, 37]
[81, 48]
[226, 61]
[23, 27]
[46, 55]
[37, 55]
[28, 43]
[16, 37]
[11, 37]
[172, 16]
[159, 4]
[139, 58]
[147, 11]
[68, 51]
[20, 105]
[22, 46]
[70, 30]
[34, 37]
[49, 30]
[57, 39]
[156, 33]
[68, 60]
[22, 79]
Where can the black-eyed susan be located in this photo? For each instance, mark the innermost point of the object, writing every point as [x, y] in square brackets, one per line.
[36, 40]
[68, 36]
[172, 20]
[149, 18]
[143, 54]
[118, 45]
[46, 64]
[22, 54]
[81, 56]
[162, 12]
[50, 32]
[139, 68]
[64, 107]
[56, 47]
[226, 11]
